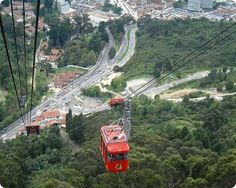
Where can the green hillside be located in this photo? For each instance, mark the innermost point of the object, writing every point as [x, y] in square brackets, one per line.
[162, 43]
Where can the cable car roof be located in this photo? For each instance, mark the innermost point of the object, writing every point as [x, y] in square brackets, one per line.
[120, 147]
[115, 139]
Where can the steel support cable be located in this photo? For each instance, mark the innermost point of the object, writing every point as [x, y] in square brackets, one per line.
[34, 57]
[25, 62]
[202, 59]
[10, 66]
[189, 54]
[16, 49]
[113, 123]
[118, 120]
[189, 61]
[202, 52]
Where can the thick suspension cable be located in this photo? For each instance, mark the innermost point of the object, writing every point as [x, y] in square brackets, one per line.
[186, 63]
[182, 65]
[15, 41]
[25, 61]
[10, 66]
[189, 54]
[34, 57]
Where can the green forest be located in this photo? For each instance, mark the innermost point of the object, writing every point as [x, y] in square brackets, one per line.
[223, 80]
[88, 41]
[187, 145]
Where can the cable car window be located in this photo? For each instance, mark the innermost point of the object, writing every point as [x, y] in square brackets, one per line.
[118, 157]
[121, 156]
[110, 157]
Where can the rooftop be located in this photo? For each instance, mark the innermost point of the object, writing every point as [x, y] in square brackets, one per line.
[113, 133]
[33, 124]
[63, 79]
[50, 114]
[115, 139]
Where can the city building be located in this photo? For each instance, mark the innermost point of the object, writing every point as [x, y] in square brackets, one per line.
[43, 120]
[194, 5]
[207, 4]
[63, 6]
[33, 128]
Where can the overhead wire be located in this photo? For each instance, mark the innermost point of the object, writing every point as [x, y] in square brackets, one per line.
[189, 61]
[15, 42]
[34, 56]
[182, 65]
[189, 54]
[25, 61]
[113, 123]
[35, 44]
[10, 66]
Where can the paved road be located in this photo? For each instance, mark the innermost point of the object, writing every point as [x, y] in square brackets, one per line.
[126, 8]
[103, 68]
[152, 91]
[119, 59]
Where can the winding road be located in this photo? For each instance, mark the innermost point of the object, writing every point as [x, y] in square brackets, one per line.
[102, 69]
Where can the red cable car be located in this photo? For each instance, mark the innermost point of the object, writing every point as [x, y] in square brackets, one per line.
[116, 101]
[33, 128]
[114, 148]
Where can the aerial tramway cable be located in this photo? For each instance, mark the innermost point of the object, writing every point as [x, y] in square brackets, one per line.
[15, 43]
[25, 62]
[189, 54]
[181, 66]
[34, 56]
[10, 65]
[129, 97]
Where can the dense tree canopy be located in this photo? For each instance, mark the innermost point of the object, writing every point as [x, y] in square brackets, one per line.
[172, 145]
[114, 8]
[163, 43]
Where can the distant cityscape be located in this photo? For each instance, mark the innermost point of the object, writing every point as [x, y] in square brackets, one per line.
[160, 9]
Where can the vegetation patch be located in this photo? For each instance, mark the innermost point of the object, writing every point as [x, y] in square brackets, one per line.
[197, 94]
[94, 91]
[118, 84]
[160, 44]
[2, 95]
[107, 7]
[221, 79]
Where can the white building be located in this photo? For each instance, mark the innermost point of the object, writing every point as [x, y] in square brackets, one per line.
[207, 4]
[63, 6]
[194, 5]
